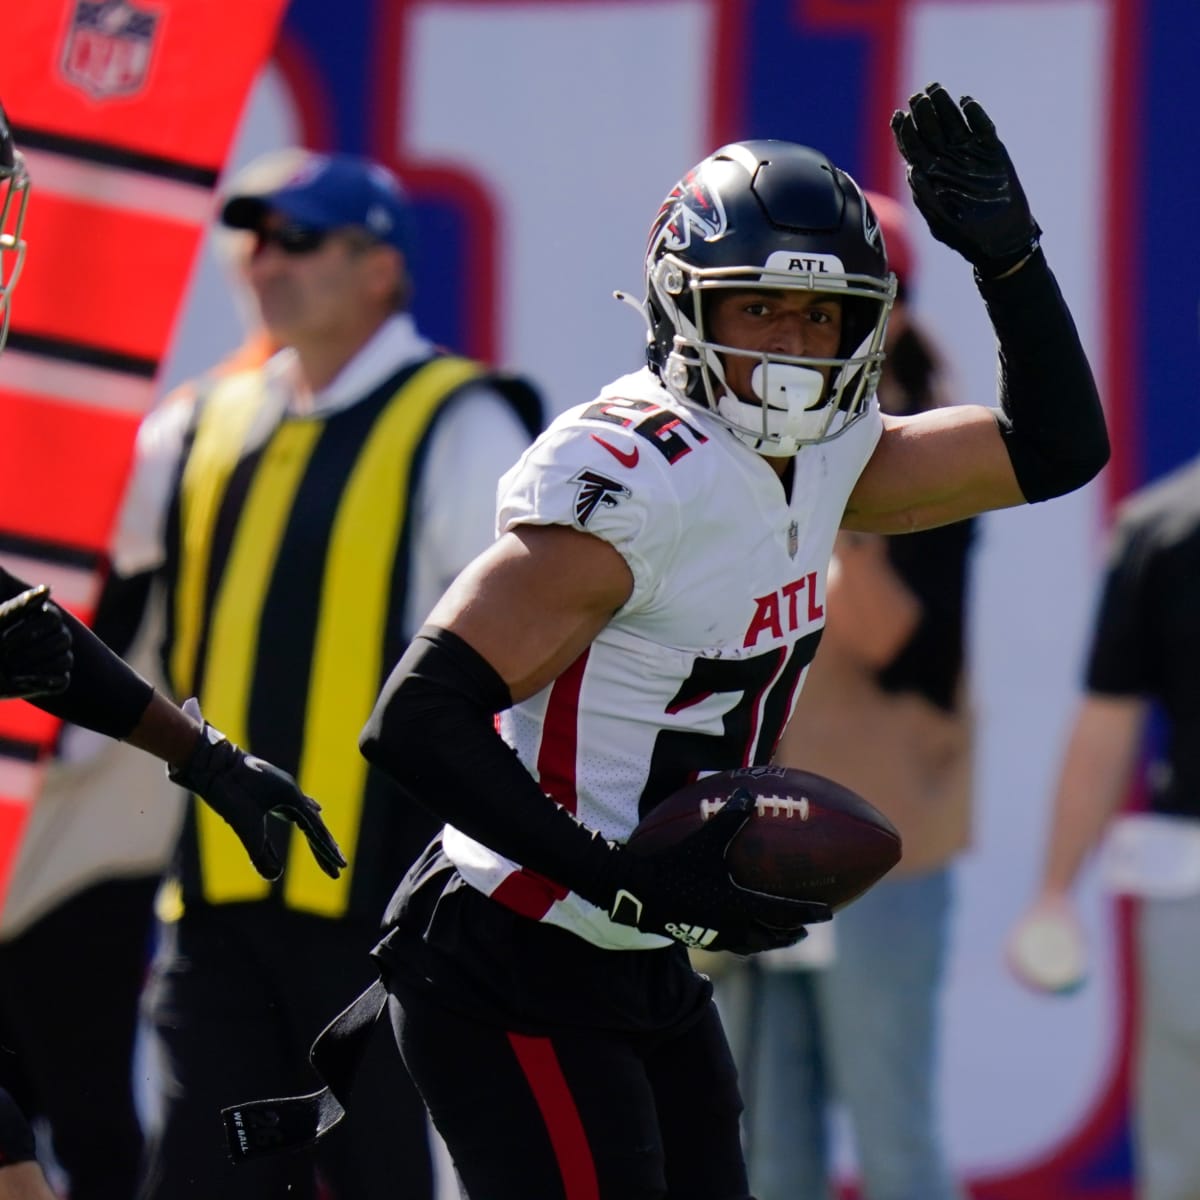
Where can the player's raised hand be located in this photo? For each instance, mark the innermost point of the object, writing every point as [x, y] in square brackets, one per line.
[35, 646]
[963, 181]
[246, 790]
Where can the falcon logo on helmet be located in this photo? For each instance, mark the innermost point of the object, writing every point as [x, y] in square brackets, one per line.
[690, 207]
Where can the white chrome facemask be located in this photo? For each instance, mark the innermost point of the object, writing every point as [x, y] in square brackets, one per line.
[14, 197]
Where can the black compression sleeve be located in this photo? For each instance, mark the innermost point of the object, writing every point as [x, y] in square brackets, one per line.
[1050, 414]
[105, 693]
[432, 730]
[16, 1138]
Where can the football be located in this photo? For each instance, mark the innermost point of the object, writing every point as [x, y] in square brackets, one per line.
[808, 837]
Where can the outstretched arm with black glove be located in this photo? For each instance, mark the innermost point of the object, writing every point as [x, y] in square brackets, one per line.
[59, 665]
[965, 186]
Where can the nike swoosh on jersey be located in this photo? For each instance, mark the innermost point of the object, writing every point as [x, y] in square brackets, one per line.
[627, 458]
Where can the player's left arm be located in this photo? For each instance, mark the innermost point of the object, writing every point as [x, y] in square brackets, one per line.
[1047, 436]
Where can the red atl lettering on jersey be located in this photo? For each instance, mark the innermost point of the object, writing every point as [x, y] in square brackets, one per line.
[782, 608]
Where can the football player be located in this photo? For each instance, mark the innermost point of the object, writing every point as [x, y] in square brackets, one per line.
[646, 615]
[52, 660]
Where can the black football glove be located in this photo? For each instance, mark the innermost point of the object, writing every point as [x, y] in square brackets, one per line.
[687, 893]
[246, 790]
[35, 646]
[963, 181]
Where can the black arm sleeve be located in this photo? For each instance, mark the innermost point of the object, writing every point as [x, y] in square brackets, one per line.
[16, 1137]
[105, 693]
[1050, 415]
[432, 730]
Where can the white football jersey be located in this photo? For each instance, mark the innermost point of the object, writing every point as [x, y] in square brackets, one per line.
[700, 669]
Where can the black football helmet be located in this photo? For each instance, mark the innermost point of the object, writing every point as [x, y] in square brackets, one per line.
[768, 214]
[14, 197]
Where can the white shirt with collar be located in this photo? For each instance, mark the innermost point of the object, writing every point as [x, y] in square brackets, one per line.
[475, 441]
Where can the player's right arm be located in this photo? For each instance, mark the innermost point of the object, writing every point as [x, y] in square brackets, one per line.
[534, 601]
[516, 618]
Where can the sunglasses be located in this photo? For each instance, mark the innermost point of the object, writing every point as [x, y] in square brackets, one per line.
[291, 239]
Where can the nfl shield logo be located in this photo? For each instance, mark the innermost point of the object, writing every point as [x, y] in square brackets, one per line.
[109, 46]
[793, 539]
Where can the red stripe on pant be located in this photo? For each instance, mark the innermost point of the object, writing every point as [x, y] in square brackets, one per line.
[539, 1063]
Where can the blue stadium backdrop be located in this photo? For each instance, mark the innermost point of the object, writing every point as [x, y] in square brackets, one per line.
[537, 139]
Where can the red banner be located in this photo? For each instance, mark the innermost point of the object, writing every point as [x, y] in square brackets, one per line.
[125, 111]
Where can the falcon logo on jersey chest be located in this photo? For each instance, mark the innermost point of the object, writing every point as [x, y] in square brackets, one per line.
[594, 490]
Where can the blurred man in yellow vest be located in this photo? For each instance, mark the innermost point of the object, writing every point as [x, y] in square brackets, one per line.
[303, 515]
[89, 864]
[66, 1060]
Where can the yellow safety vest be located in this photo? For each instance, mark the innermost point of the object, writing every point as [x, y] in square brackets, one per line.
[288, 564]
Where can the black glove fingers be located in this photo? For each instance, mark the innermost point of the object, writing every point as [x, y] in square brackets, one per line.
[329, 860]
[245, 790]
[45, 639]
[951, 121]
[251, 829]
[777, 939]
[963, 182]
[304, 812]
[31, 599]
[928, 123]
[908, 141]
[981, 124]
[781, 913]
[266, 861]
[24, 687]
[320, 841]
[711, 840]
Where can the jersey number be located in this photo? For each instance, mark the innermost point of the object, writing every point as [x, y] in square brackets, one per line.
[659, 426]
[751, 728]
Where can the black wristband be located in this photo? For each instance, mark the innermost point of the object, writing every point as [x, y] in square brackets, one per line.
[1050, 414]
